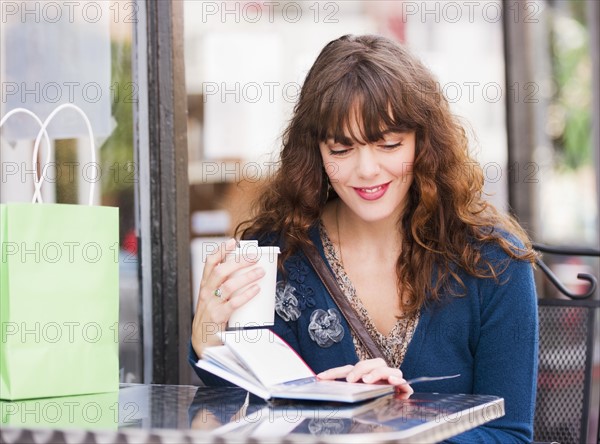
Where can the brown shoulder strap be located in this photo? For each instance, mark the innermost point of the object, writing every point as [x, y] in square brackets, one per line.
[342, 302]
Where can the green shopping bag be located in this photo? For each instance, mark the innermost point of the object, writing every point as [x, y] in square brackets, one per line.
[59, 298]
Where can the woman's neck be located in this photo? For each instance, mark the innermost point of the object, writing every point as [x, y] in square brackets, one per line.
[368, 237]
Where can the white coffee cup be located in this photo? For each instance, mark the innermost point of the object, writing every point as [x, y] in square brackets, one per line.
[260, 310]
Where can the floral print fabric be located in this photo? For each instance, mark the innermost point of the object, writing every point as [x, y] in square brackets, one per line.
[394, 345]
[298, 271]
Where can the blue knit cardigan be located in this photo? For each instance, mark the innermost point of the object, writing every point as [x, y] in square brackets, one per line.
[489, 336]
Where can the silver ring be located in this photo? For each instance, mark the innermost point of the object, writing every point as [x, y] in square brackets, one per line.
[218, 293]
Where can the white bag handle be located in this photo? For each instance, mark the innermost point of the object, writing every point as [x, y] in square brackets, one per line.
[90, 133]
[37, 194]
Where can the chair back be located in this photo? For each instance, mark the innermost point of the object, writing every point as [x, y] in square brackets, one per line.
[568, 389]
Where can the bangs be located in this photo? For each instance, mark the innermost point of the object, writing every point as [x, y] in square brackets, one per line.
[362, 107]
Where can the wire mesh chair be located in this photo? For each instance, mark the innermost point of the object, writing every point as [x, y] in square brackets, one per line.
[569, 369]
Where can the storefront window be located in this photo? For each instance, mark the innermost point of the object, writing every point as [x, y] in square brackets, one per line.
[81, 53]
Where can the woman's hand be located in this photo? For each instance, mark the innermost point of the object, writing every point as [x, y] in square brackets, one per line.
[221, 293]
[370, 371]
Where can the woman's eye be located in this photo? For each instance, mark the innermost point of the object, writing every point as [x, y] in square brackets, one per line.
[338, 152]
[339, 149]
[391, 146]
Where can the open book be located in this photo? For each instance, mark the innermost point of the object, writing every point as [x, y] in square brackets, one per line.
[264, 364]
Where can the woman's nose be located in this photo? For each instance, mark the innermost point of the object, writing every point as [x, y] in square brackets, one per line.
[368, 163]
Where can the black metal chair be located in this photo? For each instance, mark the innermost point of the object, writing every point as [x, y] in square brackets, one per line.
[568, 390]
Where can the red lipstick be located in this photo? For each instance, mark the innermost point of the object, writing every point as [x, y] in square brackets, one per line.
[372, 193]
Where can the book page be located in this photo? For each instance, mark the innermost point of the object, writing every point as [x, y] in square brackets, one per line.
[332, 391]
[221, 355]
[270, 358]
[241, 381]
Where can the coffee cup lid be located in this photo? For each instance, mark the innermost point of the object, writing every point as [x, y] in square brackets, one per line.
[243, 245]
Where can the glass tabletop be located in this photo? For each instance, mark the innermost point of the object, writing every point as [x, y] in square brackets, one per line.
[163, 413]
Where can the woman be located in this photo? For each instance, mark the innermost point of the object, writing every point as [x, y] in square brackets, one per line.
[375, 175]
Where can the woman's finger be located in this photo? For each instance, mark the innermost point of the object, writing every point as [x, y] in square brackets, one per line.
[336, 372]
[226, 278]
[366, 366]
[242, 297]
[401, 385]
[231, 263]
[215, 258]
[401, 394]
[391, 376]
[225, 307]
[240, 281]
[386, 374]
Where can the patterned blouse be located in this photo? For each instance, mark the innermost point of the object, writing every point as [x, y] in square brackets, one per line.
[395, 344]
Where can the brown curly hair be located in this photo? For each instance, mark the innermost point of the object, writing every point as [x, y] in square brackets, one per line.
[446, 219]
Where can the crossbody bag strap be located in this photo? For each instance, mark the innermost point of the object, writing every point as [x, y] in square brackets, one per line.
[342, 302]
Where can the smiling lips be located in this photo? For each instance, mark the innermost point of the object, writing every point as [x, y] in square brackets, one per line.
[372, 193]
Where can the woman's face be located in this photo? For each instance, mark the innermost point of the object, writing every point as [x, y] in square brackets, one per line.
[372, 179]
